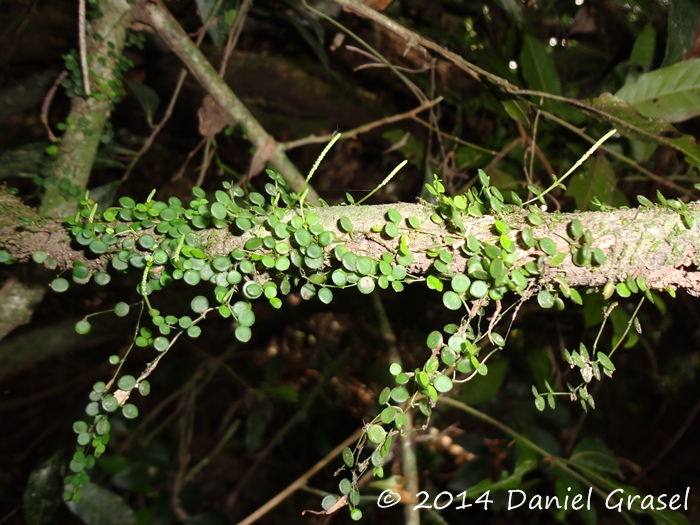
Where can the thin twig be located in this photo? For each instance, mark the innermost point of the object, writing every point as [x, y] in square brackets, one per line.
[190, 155]
[456, 139]
[47, 105]
[410, 465]
[157, 16]
[157, 129]
[234, 34]
[573, 434]
[301, 480]
[187, 408]
[614, 153]
[672, 443]
[414, 40]
[376, 62]
[353, 133]
[215, 451]
[297, 418]
[83, 47]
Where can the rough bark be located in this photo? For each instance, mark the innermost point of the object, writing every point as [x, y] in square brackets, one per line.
[648, 241]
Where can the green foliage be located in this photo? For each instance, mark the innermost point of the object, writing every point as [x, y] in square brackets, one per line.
[282, 245]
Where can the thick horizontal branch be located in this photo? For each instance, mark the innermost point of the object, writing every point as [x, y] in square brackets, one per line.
[650, 241]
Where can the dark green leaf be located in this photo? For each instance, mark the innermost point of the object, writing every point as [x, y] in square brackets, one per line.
[44, 490]
[99, 506]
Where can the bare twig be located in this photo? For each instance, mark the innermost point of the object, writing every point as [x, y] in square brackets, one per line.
[672, 443]
[414, 40]
[190, 155]
[410, 465]
[47, 105]
[456, 139]
[234, 34]
[297, 418]
[157, 16]
[83, 47]
[187, 409]
[157, 129]
[353, 133]
[301, 481]
[377, 63]
[215, 451]
[614, 153]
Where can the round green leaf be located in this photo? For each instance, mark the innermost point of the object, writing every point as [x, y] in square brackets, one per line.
[252, 290]
[599, 256]
[451, 300]
[387, 415]
[144, 388]
[442, 384]
[40, 256]
[348, 457]
[126, 382]
[383, 396]
[398, 272]
[59, 285]
[393, 215]
[98, 246]
[345, 224]
[366, 285]
[364, 265]
[621, 288]
[534, 219]
[376, 434]
[582, 256]
[110, 403]
[478, 289]
[325, 295]
[528, 237]
[82, 327]
[192, 277]
[339, 278]
[199, 304]
[129, 411]
[218, 210]
[548, 246]
[399, 394]
[545, 299]
[243, 334]
[391, 230]
[576, 229]
[435, 338]
[302, 237]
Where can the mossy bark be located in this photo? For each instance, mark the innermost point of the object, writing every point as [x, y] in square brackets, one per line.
[78, 146]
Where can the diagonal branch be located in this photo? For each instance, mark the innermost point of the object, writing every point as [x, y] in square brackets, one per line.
[159, 18]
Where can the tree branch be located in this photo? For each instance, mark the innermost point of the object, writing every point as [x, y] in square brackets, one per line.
[649, 241]
[160, 19]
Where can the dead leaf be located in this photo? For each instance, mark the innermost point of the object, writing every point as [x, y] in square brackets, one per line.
[377, 5]
[584, 22]
[262, 155]
[212, 118]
